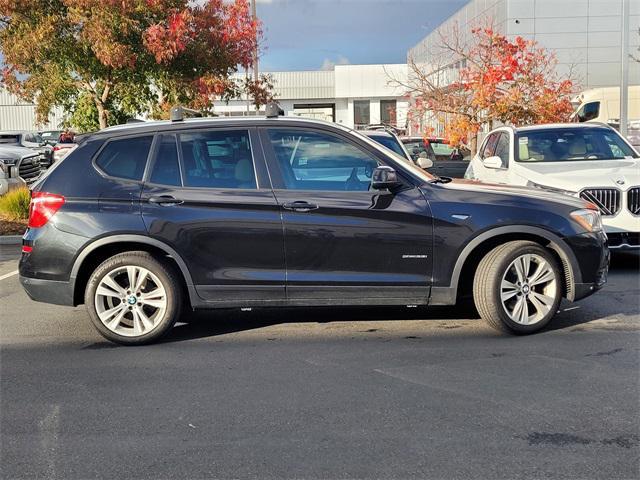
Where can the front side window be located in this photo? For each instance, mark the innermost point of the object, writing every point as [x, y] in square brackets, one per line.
[490, 147]
[502, 149]
[588, 111]
[361, 113]
[125, 158]
[320, 161]
[571, 144]
[217, 159]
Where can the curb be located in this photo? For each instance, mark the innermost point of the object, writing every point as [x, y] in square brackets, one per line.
[10, 239]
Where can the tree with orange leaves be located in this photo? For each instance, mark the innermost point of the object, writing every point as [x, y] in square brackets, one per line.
[125, 56]
[484, 78]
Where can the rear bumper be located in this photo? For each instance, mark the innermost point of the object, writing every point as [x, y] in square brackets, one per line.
[48, 291]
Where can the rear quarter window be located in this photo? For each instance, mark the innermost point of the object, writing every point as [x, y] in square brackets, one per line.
[125, 158]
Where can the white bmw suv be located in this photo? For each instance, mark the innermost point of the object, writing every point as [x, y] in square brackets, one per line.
[592, 161]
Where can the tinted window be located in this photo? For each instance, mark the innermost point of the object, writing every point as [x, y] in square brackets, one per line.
[217, 159]
[490, 146]
[390, 142]
[166, 169]
[9, 138]
[589, 111]
[502, 149]
[361, 113]
[125, 158]
[571, 144]
[319, 161]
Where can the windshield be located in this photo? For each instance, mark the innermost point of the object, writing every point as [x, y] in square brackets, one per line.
[571, 144]
[389, 142]
[401, 159]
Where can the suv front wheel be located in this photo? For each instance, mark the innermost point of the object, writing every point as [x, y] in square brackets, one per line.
[518, 287]
[133, 299]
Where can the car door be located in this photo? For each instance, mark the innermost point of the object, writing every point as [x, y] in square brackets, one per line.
[207, 194]
[345, 243]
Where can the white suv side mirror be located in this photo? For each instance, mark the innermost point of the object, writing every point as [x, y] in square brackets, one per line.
[494, 162]
[424, 162]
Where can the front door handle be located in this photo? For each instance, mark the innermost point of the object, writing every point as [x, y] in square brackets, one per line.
[165, 200]
[300, 206]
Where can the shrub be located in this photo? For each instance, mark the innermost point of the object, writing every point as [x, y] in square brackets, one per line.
[15, 204]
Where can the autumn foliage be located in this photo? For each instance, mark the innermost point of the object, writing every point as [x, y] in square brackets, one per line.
[126, 56]
[498, 81]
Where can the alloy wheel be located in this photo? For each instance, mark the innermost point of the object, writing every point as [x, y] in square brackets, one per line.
[528, 289]
[130, 301]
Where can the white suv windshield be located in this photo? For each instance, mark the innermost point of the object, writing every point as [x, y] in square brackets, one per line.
[571, 144]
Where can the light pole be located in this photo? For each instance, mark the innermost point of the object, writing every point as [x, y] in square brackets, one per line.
[624, 71]
[255, 51]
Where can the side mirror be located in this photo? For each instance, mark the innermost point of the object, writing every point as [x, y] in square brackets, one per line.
[384, 178]
[424, 163]
[493, 162]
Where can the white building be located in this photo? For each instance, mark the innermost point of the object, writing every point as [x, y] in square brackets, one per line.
[16, 114]
[353, 95]
[585, 35]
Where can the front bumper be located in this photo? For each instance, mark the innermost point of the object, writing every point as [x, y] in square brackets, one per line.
[624, 240]
[48, 291]
[592, 256]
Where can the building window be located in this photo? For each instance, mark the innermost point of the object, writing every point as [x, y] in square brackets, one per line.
[361, 113]
[388, 112]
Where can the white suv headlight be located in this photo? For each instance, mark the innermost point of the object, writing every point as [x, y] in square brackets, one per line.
[549, 189]
[589, 219]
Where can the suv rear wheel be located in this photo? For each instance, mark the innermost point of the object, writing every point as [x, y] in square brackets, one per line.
[518, 287]
[133, 299]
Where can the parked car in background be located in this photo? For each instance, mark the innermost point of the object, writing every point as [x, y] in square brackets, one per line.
[447, 161]
[389, 140]
[145, 221]
[62, 149]
[19, 166]
[590, 161]
[31, 140]
[50, 137]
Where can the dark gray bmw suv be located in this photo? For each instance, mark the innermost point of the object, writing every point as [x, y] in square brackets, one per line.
[146, 221]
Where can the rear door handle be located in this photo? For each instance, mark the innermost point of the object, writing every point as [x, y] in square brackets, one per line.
[165, 200]
[300, 206]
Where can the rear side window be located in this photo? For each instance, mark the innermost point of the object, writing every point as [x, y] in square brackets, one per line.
[125, 158]
[166, 169]
[217, 159]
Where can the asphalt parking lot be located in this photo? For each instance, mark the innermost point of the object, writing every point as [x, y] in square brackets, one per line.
[324, 393]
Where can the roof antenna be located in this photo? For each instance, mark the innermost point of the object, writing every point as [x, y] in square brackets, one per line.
[177, 114]
[273, 110]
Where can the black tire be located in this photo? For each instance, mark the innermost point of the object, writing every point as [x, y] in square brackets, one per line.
[167, 276]
[487, 286]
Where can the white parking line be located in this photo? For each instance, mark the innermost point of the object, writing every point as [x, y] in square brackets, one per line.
[7, 275]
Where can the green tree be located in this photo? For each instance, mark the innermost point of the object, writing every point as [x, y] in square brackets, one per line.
[124, 56]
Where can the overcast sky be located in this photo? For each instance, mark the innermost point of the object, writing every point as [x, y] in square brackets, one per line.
[312, 34]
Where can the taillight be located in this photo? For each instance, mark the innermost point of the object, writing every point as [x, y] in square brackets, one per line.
[42, 207]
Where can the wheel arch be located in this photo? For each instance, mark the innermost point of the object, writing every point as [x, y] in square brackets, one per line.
[469, 257]
[99, 250]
